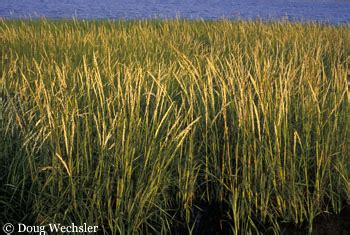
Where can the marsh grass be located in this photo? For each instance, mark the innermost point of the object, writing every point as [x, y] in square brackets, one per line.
[133, 125]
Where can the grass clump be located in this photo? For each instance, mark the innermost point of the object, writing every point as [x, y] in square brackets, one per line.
[136, 125]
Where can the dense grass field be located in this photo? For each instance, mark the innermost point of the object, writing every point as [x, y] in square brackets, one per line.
[174, 126]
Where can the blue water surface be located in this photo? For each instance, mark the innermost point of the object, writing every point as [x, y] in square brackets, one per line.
[326, 11]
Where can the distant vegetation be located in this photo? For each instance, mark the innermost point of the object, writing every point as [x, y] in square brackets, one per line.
[171, 126]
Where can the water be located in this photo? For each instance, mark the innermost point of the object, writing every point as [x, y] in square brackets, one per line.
[328, 11]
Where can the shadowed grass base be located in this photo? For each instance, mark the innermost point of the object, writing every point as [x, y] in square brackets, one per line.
[174, 126]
